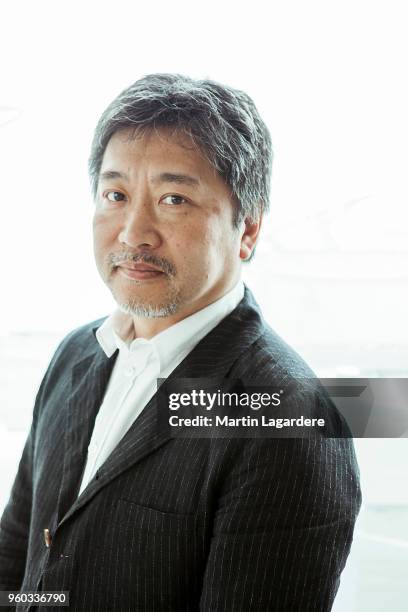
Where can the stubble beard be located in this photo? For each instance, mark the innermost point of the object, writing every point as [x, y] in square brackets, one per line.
[138, 306]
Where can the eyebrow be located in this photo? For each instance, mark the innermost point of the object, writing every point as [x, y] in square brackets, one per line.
[164, 177]
[181, 179]
[113, 174]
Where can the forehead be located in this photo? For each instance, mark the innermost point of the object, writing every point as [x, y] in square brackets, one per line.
[163, 147]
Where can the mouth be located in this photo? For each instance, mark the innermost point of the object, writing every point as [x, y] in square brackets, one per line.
[138, 271]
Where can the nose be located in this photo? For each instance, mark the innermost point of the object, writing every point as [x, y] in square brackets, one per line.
[140, 228]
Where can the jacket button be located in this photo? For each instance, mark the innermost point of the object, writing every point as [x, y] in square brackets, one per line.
[47, 538]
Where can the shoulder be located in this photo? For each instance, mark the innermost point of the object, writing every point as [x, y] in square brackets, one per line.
[81, 337]
[256, 349]
[270, 363]
[269, 356]
[75, 346]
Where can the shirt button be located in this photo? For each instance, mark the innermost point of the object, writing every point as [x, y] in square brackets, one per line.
[130, 371]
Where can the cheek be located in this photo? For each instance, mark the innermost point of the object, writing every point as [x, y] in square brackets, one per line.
[192, 243]
[104, 231]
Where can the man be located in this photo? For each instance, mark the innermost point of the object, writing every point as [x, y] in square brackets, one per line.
[108, 505]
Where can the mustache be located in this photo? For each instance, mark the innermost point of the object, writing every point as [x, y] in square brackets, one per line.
[115, 259]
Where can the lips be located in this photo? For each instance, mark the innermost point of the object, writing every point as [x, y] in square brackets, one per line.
[141, 267]
[138, 271]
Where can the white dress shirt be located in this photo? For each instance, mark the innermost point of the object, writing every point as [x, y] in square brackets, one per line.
[139, 364]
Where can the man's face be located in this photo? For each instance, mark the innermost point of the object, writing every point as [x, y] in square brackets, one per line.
[164, 239]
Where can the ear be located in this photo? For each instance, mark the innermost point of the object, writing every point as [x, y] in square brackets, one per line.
[249, 236]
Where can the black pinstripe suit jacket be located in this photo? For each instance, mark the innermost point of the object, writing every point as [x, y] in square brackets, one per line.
[178, 524]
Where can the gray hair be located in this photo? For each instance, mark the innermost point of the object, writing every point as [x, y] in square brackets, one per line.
[223, 122]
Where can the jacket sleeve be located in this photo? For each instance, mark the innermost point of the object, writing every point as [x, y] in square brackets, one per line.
[15, 522]
[283, 527]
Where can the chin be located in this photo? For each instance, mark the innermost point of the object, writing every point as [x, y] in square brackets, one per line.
[148, 309]
[145, 304]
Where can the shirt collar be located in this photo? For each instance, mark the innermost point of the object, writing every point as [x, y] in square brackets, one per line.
[116, 332]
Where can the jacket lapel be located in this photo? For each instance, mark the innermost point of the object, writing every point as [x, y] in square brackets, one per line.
[89, 380]
[213, 357]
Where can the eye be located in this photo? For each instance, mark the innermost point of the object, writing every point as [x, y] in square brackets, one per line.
[173, 200]
[114, 196]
